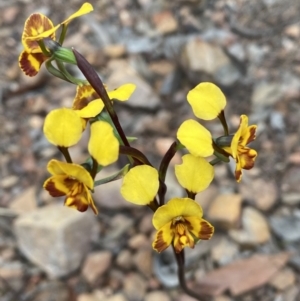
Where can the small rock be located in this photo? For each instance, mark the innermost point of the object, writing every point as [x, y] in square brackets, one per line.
[263, 194]
[206, 197]
[55, 238]
[157, 296]
[114, 51]
[143, 262]
[286, 227]
[117, 297]
[11, 270]
[8, 181]
[52, 290]
[225, 210]
[266, 94]
[291, 199]
[283, 279]
[224, 252]
[135, 287]
[291, 294]
[203, 56]
[95, 265]
[255, 228]
[165, 22]
[146, 226]
[25, 202]
[125, 259]
[87, 297]
[138, 241]
[293, 31]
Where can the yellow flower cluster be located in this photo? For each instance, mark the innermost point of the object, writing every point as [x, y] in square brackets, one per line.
[179, 222]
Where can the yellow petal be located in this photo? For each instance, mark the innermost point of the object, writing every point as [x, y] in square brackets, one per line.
[206, 100]
[103, 145]
[140, 185]
[194, 174]
[37, 26]
[176, 207]
[92, 109]
[73, 171]
[196, 138]
[201, 228]
[56, 185]
[122, 93]
[163, 237]
[84, 9]
[30, 63]
[63, 127]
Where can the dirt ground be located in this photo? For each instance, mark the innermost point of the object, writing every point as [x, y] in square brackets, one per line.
[250, 49]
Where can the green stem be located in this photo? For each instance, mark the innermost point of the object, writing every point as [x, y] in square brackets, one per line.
[94, 169]
[54, 71]
[215, 161]
[66, 154]
[93, 78]
[43, 48]
[63, 34]
[69, 77]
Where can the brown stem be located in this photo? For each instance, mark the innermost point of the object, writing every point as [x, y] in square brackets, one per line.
[181, 275]
[95, 81]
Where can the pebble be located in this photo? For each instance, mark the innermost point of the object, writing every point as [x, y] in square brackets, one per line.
[206, 197]
[9, 181]
[225, 210]
[145, 225]
[165, 22]
[283, 279]
[266, 94]
[286, 227]
[291, 199]
[255, 228]
[25, 202]
[263, 194]
[135, 287]
[204, 56]
[143, 262]
[125, 259]
[157, 296]
[138, 241]
[55, 238]
[95, 265]
[225, 251]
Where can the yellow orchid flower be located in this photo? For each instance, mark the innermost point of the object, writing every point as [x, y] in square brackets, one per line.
[243, 155]
[179, 222]
[207, 101]
[74, 182]
[38, 27]
[63, 127]
[194, 174]
[87, 103]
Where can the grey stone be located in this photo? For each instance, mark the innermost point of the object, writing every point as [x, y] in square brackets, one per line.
[286, 227]
[55, 238]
